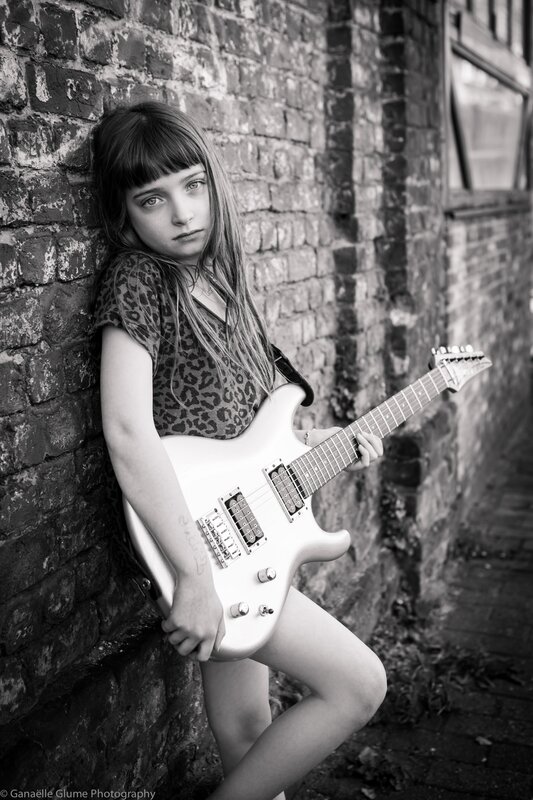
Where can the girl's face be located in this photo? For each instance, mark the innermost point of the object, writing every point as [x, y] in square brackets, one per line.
[172, 214]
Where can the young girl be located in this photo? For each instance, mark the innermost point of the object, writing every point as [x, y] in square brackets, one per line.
[171, 366]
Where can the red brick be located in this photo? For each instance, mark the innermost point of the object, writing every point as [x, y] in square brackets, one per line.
[37, 258]
[157, 14]
[72, 144]
[76, 257]
[13, 397]
[131, 49]
[59, 31]
[268, 120]
[14, 203]
[64, 91]
[81, 368]
[58, 595]
[95, 42]
[13, 689]
[56, 650]
[9, 274]
[66, 311]
[12, 85]
[50, 198]
[18, 28]
[32, 141]
[63, 425]
[45, 376]
[5, 149]
[22, 321]
[116, 7]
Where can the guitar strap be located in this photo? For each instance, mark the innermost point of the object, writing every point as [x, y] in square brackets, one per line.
[281, 362]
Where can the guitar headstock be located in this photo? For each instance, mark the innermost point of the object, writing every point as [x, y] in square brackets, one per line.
[458, 364]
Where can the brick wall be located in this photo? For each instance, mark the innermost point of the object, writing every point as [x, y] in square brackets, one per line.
[488, 284]
[328, 115]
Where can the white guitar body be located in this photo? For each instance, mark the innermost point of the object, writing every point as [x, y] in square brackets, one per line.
[211, 470]
[251, 499]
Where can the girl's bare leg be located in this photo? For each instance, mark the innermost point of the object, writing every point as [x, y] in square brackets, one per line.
[347, 683]
[236, 700]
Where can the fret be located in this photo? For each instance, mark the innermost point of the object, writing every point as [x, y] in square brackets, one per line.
[414, 395]
[399, 406]
[317, 465]
[326, 459]
[430, 375]
[407, 401]
[372, 417]
[389, 407]
[329, 445]
[421, 381]
[342, 436]
[389, 429]
[301, 478]
[309, 475]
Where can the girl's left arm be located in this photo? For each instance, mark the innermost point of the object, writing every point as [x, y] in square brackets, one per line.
[370, 445]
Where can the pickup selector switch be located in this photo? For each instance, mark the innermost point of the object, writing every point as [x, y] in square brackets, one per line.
[267, 574]
[239, 609]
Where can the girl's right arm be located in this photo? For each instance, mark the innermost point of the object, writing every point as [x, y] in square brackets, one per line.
[148, 481]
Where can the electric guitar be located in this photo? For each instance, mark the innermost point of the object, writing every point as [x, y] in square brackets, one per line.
[251, 499]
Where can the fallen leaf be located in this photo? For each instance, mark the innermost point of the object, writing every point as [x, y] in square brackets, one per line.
[482, 740]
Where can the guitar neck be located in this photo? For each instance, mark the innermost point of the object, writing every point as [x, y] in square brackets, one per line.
[319, 465]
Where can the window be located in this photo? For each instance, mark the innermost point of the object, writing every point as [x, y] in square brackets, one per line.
[489, 84]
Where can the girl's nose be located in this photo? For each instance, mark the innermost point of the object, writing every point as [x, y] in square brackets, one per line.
[181, 214]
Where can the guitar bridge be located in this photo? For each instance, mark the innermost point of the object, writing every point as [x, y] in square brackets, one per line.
[220, 538]
[286, 489]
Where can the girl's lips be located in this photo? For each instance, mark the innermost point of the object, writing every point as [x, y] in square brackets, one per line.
[183, 236]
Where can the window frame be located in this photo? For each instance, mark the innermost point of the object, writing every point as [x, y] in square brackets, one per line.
[466, 38]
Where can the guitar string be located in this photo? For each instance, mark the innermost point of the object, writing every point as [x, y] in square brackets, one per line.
[266, 488]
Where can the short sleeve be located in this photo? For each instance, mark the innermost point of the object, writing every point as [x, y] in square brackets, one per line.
[130, 297]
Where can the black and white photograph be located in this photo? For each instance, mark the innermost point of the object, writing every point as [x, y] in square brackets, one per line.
[266, 350]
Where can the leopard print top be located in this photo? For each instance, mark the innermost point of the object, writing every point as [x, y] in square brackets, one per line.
[209, 407]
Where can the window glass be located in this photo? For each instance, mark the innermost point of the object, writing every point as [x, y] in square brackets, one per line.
[481, 10]
[517, 28]
[490, 115]
[455, 178]
[502, 20]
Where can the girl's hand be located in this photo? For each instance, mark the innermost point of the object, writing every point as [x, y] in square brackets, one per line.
[195, 625]
[370, 446]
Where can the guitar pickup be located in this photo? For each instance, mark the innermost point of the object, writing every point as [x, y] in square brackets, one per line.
[241, 515]
[286, 488]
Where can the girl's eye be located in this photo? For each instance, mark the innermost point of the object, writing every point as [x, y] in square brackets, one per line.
[150, 202]
[195, 184]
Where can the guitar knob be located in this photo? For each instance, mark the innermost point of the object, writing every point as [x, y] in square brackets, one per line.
[267, 574]
[239, 609]
[264, 610]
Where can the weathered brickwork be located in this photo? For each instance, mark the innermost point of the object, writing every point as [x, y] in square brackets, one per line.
[488, 306]
[328, 115]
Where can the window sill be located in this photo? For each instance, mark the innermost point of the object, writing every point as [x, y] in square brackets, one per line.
[465, 204]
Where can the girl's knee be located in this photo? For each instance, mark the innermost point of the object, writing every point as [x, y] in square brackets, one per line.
[240, 727]
[363, 692]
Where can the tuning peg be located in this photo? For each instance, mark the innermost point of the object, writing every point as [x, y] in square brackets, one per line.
[469, 348]
[433, 351]
[462, 349]
[455, 348]
[442, 350]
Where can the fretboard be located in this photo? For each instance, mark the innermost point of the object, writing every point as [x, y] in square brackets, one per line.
[319, 465]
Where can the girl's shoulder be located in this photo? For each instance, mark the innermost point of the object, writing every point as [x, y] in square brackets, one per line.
[131, 267]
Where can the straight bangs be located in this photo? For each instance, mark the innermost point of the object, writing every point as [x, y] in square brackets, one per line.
[153, 149]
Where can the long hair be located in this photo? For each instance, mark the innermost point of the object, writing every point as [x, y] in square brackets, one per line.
[135, 145]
